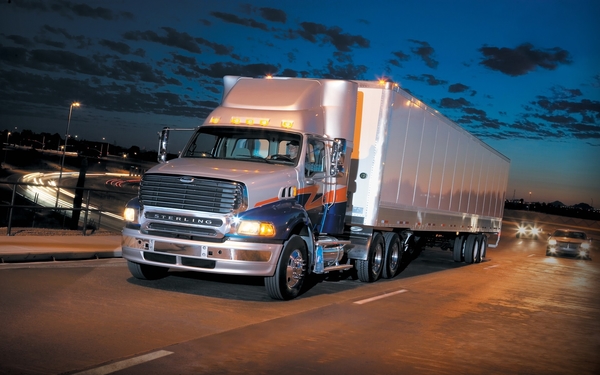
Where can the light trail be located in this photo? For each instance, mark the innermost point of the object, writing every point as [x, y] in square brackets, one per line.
[45, 192]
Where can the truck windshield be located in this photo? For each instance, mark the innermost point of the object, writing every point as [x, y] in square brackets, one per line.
[243, 143]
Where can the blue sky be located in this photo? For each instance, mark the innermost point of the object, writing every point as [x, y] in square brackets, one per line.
[524, 76]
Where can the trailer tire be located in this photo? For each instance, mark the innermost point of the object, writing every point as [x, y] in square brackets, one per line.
[290, 273]
[393, 255]
[370, 269]
[483, 245]
[459, 248]
[472, 248]
[146, 271]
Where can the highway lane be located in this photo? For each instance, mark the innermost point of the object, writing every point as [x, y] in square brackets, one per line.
[517, 312]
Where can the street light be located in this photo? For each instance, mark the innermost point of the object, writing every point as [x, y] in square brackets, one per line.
[62, 159]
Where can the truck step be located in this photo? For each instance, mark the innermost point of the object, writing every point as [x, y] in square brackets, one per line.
[341, 267]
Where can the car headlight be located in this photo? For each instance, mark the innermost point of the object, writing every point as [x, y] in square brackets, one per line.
[256, 228]
[521, 230]
[535, 231]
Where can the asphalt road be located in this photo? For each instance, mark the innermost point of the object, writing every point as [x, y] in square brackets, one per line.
[518, 312]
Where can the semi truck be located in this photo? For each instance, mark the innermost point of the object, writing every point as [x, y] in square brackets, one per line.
[290, 177]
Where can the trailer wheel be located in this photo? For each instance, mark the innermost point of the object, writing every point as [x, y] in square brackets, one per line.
[370, 269]
[146, 271]
[483, 245]
[290, 273]
[472, 248]
[393, 255]
[459, 249]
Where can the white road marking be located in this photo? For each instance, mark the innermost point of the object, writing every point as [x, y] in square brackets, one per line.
[117, 366]
[361, 302]
[494, 266]
[530, 255]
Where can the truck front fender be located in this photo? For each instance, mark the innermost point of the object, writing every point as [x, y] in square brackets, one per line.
[285, 216]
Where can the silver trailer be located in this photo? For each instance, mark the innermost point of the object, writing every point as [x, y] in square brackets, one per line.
[292, 176]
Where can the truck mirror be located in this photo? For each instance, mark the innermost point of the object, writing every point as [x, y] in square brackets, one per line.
[163, 141]
[338, 156]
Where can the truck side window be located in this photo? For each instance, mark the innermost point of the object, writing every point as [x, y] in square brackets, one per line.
[315, 157]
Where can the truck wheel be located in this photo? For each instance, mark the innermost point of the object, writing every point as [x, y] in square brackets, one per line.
[370, 269]
[146, 271]
[393, 255]
[290, 273]
[483, 245]
[471, 248]
[459, 248]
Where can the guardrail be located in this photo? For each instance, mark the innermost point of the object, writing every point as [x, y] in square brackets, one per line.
[29, 202]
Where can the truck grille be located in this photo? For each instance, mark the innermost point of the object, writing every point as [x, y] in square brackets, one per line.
[196, 194]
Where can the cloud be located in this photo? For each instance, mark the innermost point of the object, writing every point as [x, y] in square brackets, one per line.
[343, 42]
[273, 15]
[120, 47]
[425, 52]
[172, 39]
[523, 59]
[347, 71]
[400, 56]
[128, 97]
[427, 78]
[221, 69]
[457, 87]
[23, 41]
[454, 103]
[232, 18]
[69, 9]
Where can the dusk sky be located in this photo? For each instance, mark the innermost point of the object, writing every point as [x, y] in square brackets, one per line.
[524, 76]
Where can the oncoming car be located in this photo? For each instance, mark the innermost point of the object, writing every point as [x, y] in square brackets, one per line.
[529, 230]
[570, 242]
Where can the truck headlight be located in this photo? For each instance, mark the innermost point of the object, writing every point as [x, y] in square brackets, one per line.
[130, 215]
[521, 230]
[585, 246]
[256, 228]
[552, 242]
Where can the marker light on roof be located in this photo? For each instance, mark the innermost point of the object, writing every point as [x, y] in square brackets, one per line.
[264, 122]
[249, 121]
[214, 120]
[235, 120]
[287, 124]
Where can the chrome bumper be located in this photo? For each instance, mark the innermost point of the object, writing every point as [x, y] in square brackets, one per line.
[233, 258]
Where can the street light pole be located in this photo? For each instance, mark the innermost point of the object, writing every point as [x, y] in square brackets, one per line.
[62, 159]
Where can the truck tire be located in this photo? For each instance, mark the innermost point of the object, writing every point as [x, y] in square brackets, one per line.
[483, 245]
[370, 269]
[459, 249]
[472, 248]
[393, 255]
[290, 273]
[146, 271]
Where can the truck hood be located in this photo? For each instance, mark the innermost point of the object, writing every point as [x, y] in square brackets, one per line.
[263, 180]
